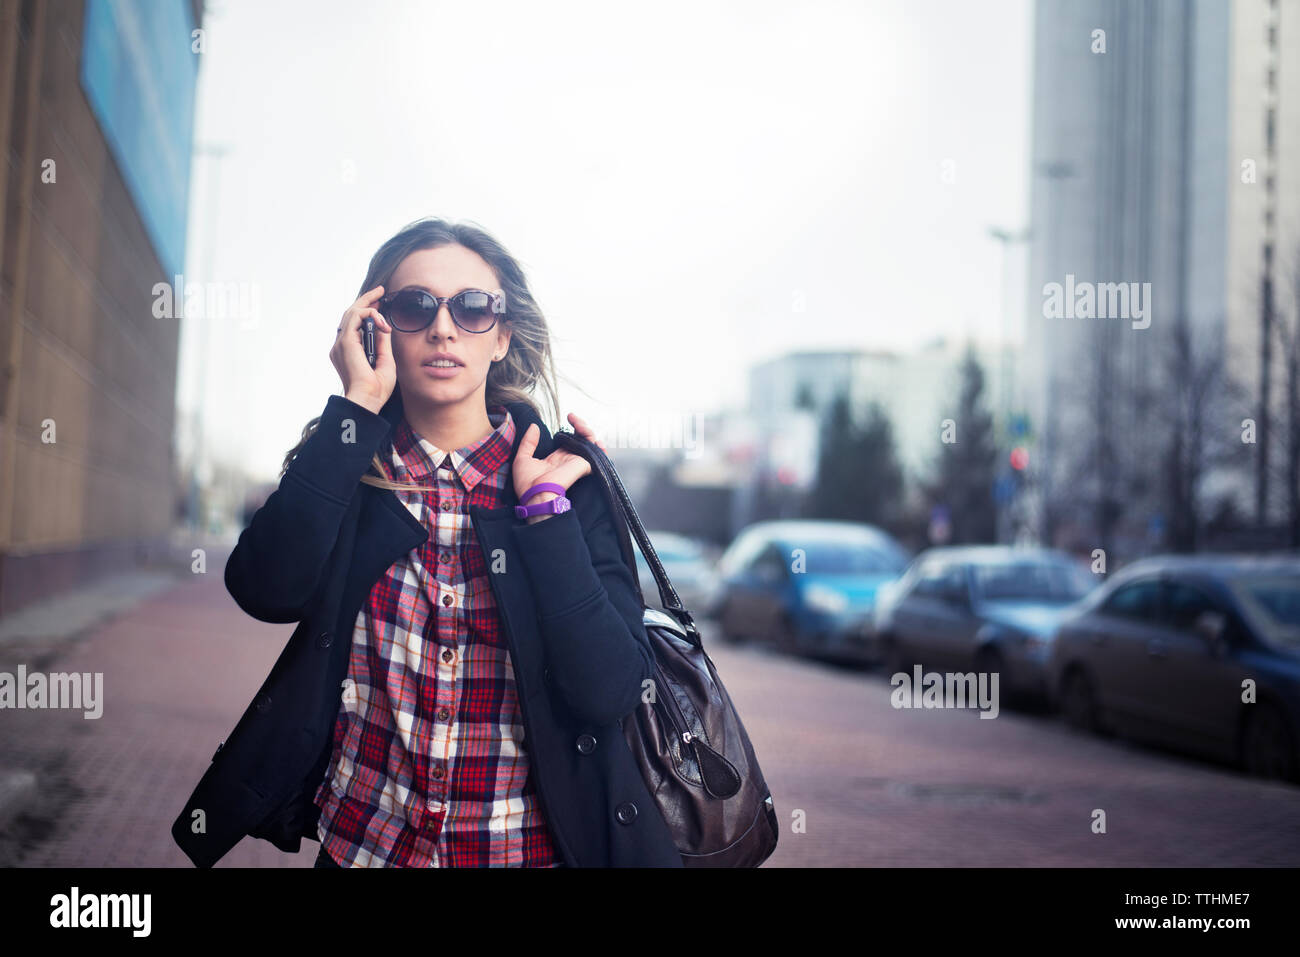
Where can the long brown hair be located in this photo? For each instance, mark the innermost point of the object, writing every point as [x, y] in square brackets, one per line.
[527, 363]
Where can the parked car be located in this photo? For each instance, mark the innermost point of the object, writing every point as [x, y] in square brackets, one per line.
[987, 608]
[1164, 650]
[690, 568]
[805, 586]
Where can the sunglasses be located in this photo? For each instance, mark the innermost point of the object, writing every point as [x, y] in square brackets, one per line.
[413, 310]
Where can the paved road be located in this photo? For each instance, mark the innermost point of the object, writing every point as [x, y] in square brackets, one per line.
[873, 786]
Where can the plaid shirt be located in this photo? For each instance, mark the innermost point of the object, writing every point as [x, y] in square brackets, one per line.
[428, 768]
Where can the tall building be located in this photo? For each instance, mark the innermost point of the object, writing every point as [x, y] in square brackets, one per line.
[96, 120]
[1161, 195]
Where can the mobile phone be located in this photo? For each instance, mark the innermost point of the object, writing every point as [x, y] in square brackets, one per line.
[368, 337]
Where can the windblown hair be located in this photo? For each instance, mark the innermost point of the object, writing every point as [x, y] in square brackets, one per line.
[527, 363]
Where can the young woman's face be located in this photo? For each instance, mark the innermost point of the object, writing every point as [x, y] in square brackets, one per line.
[445, 271]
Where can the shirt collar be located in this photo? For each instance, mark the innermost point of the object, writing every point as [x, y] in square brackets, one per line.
[415, 458]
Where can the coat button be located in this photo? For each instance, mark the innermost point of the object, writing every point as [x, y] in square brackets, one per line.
[625, 812]
[262, 703]
[324, 639]
[586, 743]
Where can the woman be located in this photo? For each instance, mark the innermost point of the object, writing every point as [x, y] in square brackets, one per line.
[474, 716]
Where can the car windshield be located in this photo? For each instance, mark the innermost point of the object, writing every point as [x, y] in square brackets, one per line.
[1273, 601]
[838, 558]
[1030, 581]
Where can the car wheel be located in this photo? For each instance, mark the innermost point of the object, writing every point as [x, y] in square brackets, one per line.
[891, 655]
[1268, 748]
[1079, 702]
[989, 661]
[725, 629]
[786, 637]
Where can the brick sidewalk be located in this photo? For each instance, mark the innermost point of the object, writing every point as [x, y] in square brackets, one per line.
[179, 668]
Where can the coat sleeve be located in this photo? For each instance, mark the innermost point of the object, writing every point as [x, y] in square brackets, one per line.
[278, 561]
[589, 609]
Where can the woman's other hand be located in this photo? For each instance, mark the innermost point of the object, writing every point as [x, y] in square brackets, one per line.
[561, 467]
[582, 428]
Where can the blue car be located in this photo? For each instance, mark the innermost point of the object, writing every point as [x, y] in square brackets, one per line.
[805, 586]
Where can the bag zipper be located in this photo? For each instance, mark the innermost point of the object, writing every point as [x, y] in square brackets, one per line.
[673, 711]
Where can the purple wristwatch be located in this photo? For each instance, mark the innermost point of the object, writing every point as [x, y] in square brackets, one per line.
[553, 507]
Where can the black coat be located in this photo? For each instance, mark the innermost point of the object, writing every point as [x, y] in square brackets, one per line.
[572, 617]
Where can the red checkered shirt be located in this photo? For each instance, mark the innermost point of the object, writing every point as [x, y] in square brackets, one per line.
[428, 768]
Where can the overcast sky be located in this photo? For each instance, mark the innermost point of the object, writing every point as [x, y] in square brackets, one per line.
[674, 177]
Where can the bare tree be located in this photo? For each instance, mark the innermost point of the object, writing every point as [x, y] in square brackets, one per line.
[1146, 413]
[1195, 436]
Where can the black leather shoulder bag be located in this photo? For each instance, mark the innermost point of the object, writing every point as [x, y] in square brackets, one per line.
[688, 740]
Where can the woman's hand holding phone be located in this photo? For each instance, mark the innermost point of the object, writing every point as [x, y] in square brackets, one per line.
[366, 386]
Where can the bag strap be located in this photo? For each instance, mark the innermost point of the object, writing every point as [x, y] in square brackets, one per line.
[624, 516]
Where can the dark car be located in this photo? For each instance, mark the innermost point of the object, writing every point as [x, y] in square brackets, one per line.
[987, 608]
[1168, 649]
[805, 586]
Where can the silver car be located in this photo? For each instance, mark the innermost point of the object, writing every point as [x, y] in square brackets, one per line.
[690, 567]
[990, 608]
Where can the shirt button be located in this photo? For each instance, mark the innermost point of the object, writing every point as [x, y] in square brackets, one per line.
[447, 599]
[445, 558]
[438, 772]
[443, 714]
[446, 506]
[447, 655]
[431, 824]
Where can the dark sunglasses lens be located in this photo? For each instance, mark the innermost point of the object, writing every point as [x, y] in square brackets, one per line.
[473, 310]
[412, 311]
